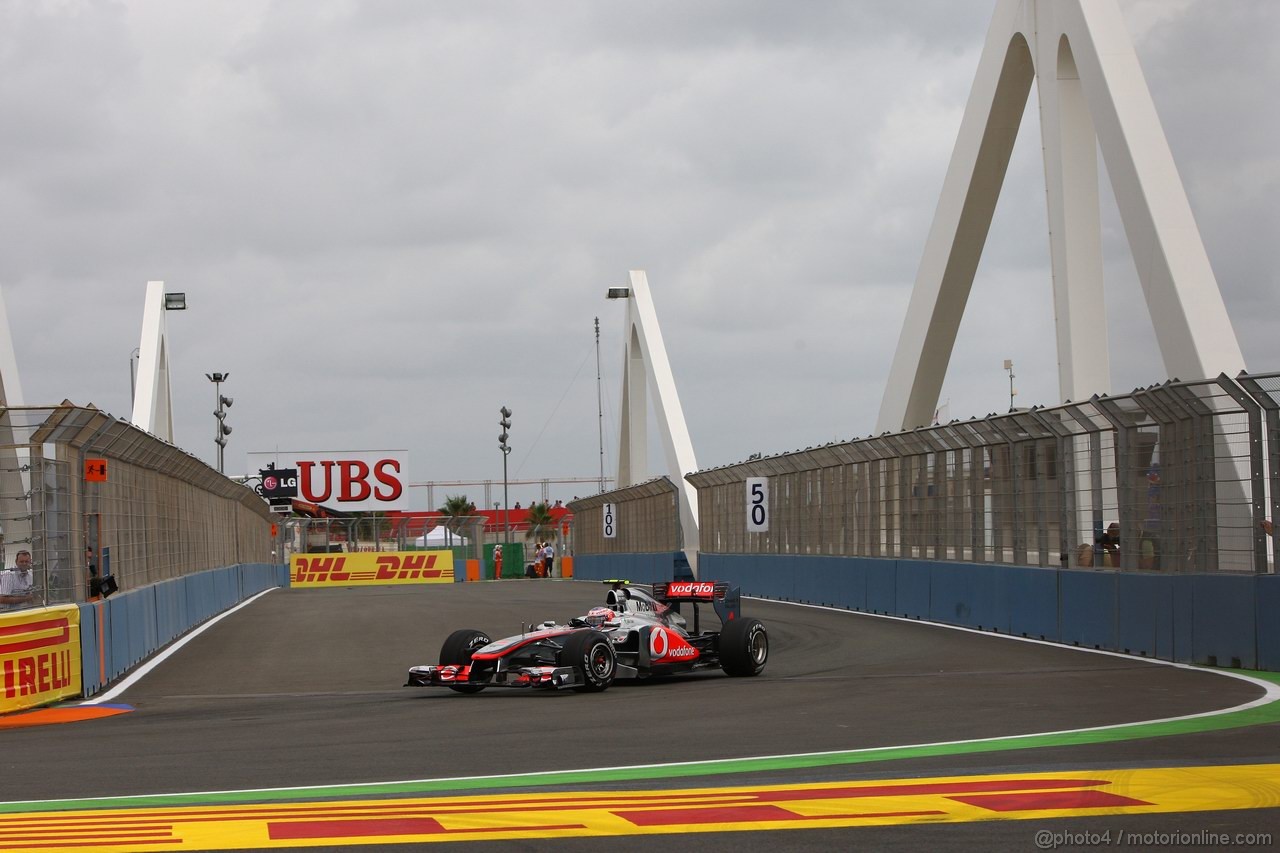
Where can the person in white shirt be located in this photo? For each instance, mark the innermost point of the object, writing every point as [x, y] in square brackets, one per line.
[16, 584]
[548, 557]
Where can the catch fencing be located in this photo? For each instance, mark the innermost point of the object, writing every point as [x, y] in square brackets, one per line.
[471, 537]
[1187, 472]
[463, 535]
[81, 488]
[644, 518]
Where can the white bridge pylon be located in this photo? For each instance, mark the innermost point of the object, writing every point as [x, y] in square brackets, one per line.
[645, 366]
[1092, 95]
[153, 399]
[15, 477]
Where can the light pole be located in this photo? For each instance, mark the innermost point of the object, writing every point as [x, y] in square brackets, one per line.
[611, 293]
[599, 405]
[220, 430]
[505, 423]
[133, 374]
[1008, 365]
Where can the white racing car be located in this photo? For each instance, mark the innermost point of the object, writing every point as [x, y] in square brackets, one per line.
[634, 635]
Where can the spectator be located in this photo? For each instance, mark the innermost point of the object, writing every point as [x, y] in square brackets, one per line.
[16, 585]
[1147, 552]
[1110, 544]
[1084, 556]
[539, 564]
[548, 557]
[94, 588]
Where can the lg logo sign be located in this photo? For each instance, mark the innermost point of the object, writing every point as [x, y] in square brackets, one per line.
[347, 480]
[279, 482]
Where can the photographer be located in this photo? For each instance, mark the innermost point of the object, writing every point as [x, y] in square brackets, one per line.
[16, 590]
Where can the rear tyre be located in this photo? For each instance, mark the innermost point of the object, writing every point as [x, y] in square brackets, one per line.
[591, 655]
[457, 650]
[744, 647]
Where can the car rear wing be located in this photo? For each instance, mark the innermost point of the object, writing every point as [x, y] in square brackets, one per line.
[726, 600]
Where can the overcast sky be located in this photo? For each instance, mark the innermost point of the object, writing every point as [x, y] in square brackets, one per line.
[391, 218]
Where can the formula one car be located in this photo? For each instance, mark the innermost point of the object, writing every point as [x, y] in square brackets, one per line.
[635, 635]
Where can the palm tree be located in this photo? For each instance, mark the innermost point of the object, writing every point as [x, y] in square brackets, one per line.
[456, 509]
[542, 525]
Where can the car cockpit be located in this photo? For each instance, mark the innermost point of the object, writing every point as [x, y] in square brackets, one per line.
[627, 600]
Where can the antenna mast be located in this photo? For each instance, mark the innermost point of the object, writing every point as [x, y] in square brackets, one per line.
[599, 404]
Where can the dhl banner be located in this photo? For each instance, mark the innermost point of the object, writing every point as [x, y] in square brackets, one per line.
[39, 657]
[371, 569]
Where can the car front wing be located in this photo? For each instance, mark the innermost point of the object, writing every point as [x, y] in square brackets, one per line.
[552, 677]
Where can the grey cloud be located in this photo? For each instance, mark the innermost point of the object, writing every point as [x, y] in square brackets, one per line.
[391, 218]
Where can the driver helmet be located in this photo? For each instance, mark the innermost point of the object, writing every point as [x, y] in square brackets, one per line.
[597, 616]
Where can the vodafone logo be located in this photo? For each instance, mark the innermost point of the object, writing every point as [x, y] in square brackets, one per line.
[686, 589]
[658, 643]
[663, 644]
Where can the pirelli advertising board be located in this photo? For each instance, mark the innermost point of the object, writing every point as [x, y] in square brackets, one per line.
[39, 657]
[372, 569]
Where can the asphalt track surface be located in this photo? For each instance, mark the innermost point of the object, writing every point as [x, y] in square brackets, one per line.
[302, 688]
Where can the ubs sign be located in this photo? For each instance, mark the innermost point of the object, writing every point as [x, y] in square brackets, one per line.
[358, 480]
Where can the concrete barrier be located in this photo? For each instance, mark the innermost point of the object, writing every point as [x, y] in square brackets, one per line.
[118, 633]
[1218, 619]
[637, 568]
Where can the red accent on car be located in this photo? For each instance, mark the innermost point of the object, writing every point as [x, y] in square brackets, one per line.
[521, 643]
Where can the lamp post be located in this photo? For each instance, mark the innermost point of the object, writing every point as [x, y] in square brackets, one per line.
[611, 293]
[133, 374]
[220, 430]
[505, 423]
[1008, 365]
[599, 406]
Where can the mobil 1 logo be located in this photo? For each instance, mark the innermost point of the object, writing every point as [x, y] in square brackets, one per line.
[610, 521]
[757, 504]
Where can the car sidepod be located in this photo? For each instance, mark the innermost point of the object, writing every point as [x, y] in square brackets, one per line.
[662, 647]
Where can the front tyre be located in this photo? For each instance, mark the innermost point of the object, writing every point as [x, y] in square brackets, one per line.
[457, 650]
[744, 647]
[592, 657]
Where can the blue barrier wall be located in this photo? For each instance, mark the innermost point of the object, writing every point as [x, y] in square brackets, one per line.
[637, 568]
[1227, 620]
[1267, 618]
[120, 632]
